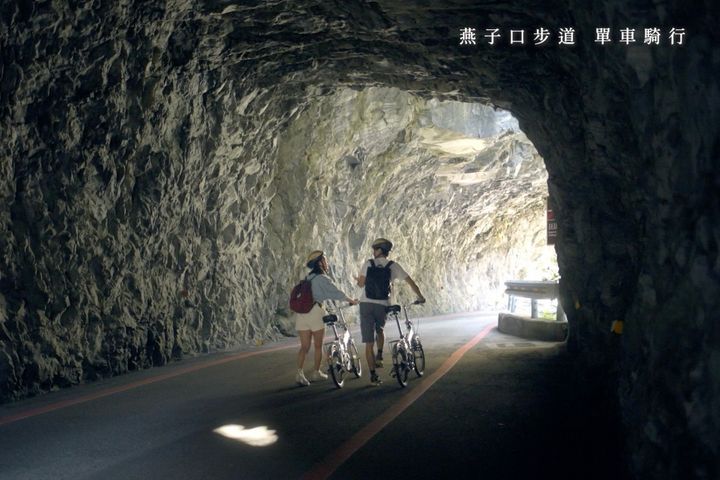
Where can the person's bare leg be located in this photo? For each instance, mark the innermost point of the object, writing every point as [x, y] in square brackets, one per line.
[380, 340]
[370, 355]
[318, 336]
[304, 347]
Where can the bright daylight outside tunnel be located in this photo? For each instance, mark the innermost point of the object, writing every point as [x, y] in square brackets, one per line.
[166, 167]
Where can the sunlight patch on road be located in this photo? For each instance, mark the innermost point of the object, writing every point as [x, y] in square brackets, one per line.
[255, 437]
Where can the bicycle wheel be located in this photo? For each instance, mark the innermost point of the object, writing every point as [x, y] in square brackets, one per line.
[401, 366]
[337, 370]
[355, 362]
[419, 357]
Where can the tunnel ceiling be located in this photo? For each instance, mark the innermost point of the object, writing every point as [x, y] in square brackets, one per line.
[143, 208]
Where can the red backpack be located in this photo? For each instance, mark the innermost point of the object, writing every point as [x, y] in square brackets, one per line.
[301, 297]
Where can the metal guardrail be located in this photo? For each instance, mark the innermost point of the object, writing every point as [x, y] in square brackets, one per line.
[528, 289]
[534, 290]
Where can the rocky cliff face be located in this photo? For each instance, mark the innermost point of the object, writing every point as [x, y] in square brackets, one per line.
[159, 164]
[457, 187]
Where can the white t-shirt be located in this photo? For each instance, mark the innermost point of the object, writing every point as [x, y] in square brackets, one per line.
[397, 272]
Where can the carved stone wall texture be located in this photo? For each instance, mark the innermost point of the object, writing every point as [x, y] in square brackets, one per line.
[160, 163]
[457, 188]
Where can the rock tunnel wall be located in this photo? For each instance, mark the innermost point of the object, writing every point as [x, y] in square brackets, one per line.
[458, 188]
[142, 146]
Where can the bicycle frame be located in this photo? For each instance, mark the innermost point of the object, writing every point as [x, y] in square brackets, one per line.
[340, 342]
[409, 332]
[342, 354]
[407, 351]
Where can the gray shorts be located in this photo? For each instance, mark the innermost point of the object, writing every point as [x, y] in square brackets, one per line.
[372, 319]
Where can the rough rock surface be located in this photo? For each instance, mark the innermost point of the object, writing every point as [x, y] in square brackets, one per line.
[155, 164]
[457, 187]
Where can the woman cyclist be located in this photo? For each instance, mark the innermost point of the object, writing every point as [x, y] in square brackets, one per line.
[310, 326]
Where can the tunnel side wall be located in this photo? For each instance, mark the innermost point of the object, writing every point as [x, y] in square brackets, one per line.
[131, 208]
[633, 167]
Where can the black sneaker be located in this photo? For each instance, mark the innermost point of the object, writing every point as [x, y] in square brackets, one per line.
[379, 360]
[375, 380]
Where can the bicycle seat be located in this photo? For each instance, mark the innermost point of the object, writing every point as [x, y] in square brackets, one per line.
[392, 309]
[330, 319]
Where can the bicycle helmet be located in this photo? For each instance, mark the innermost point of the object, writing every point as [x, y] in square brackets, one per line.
[314, 257]
[383, 244]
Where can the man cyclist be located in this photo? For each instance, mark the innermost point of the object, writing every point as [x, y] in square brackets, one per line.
[376, 276]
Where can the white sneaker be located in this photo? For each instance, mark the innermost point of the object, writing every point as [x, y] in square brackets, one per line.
[300, 378]
[318, 375]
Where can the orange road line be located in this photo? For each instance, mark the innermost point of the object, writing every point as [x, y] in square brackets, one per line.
[123, 388]
[329, 464]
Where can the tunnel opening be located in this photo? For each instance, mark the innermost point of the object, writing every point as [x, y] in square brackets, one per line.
[457, 186]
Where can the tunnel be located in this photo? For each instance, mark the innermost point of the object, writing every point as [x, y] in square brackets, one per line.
[166, 167]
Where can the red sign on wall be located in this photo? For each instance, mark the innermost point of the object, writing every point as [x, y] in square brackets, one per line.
[551, 224]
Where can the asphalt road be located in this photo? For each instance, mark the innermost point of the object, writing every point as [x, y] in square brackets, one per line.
[489, 406]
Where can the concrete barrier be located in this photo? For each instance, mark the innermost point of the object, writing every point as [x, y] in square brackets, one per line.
[532, 328]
